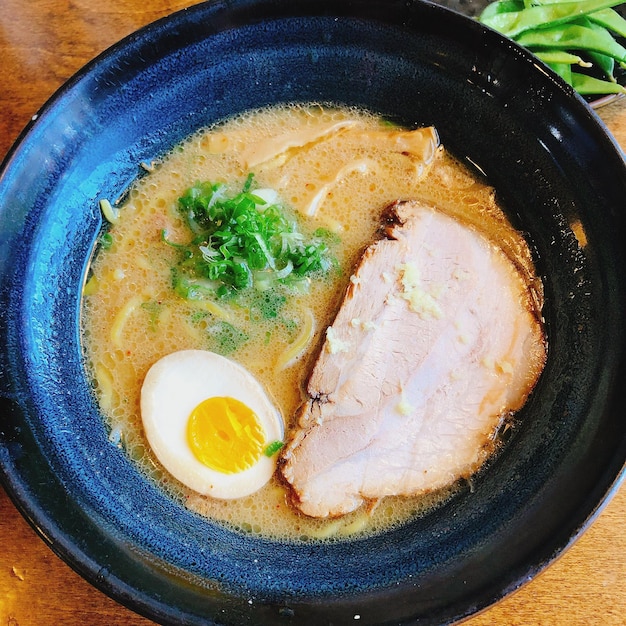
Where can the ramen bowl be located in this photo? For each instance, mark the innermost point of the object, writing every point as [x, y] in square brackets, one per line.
[559, 177]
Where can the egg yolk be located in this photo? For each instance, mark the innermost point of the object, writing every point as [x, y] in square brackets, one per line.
[225, 435]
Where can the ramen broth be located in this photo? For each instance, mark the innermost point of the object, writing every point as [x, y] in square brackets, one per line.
[132, 316]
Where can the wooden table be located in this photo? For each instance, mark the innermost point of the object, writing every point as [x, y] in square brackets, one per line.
[42, 43]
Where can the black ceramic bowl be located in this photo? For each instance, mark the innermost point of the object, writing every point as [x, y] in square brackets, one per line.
[558, 174]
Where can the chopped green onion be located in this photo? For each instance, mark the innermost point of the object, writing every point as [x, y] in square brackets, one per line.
[242, 241]
[106, 240]
[272, 448]
[225, 338]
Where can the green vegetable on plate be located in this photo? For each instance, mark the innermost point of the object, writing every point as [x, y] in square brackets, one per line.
[576, 38]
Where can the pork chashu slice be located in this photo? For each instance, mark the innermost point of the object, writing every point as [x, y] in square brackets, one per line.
[436, 340]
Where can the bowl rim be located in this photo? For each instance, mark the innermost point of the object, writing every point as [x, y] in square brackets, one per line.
[27, 503]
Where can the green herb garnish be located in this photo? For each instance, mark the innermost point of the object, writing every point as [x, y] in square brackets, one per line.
[241, 242]
[106, 240]
[272, 448]
[226, 338]
[154, 310]
[267, 305]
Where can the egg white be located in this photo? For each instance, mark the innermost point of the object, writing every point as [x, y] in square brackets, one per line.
[172, 388]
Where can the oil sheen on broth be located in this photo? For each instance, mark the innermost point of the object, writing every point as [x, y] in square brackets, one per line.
[132, 317]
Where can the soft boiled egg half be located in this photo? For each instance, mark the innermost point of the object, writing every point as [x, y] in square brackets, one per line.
[210, 423]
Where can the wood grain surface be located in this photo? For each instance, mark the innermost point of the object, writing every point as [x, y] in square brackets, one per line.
[42, 43]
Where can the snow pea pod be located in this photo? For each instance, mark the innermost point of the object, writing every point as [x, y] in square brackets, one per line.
[564, 70]
[605, 63]
[609, 19]
[590, 86]
[500, 6]
[565, 34]
[573, 37]
[514, 23]
[561, 57]
[583, 83]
